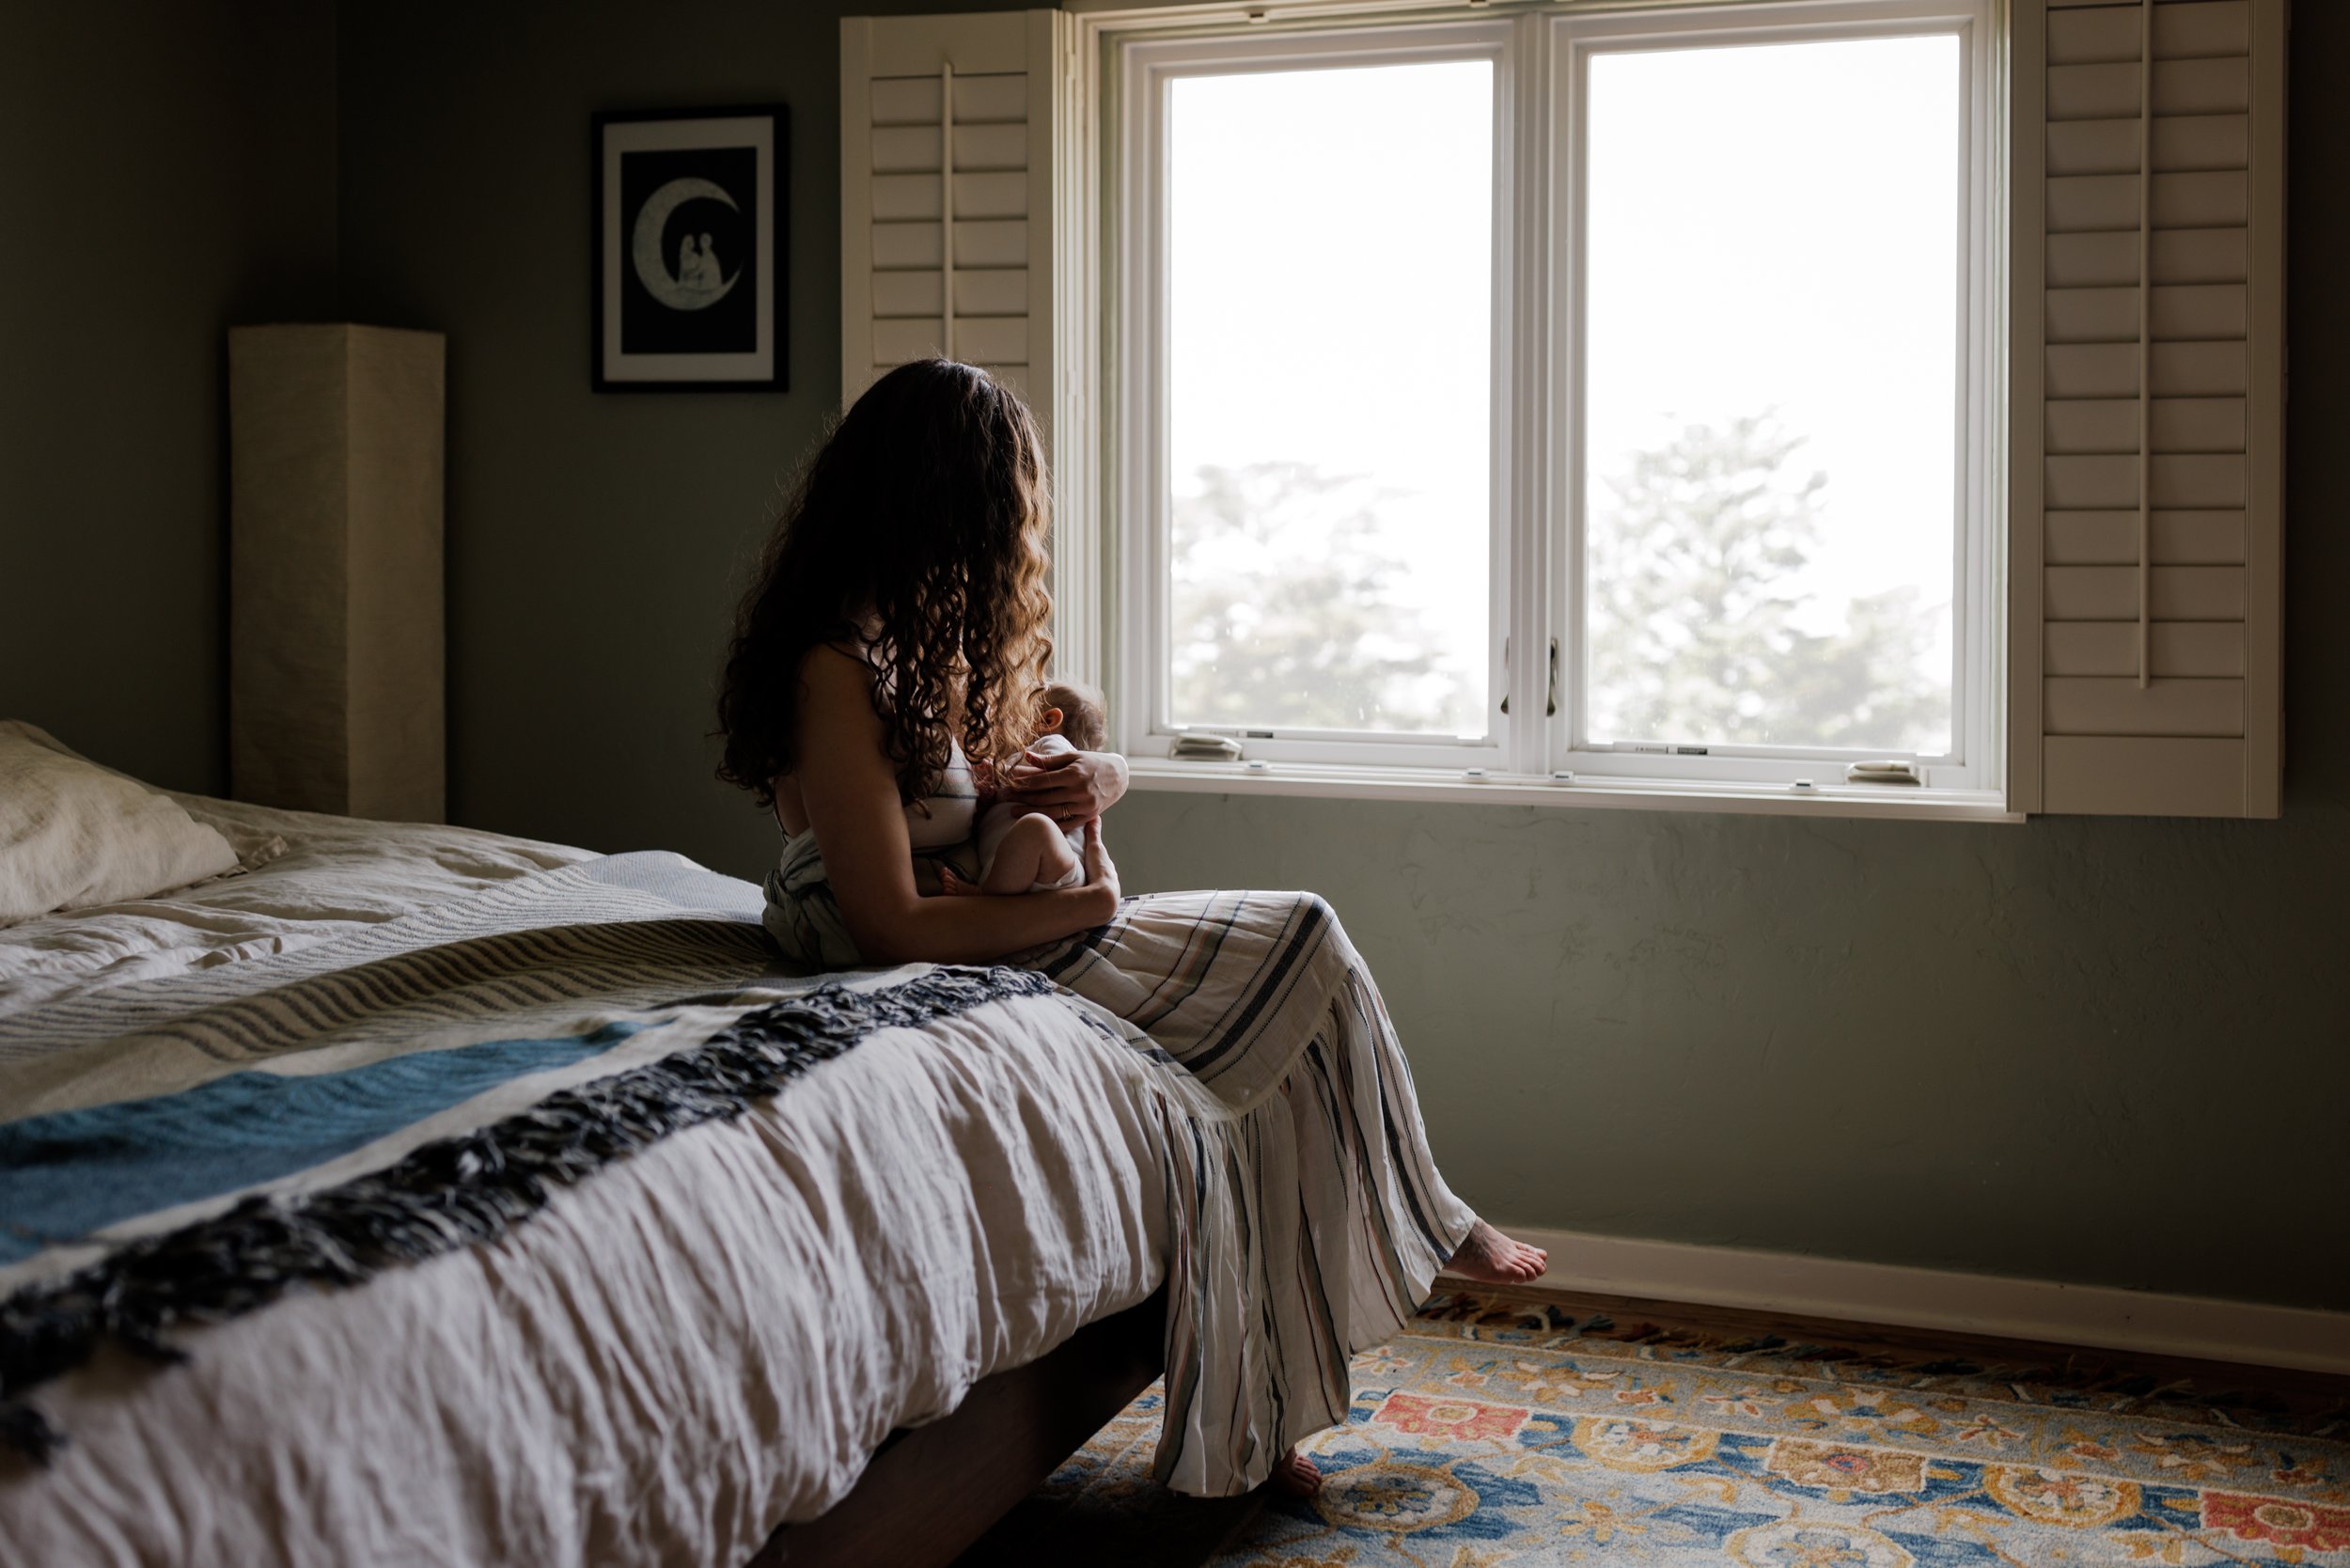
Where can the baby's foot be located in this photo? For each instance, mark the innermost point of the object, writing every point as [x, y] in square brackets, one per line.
[1495, 1259]
[1295, 1475]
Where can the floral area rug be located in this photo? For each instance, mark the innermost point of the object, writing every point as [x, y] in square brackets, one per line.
[1511, 1432]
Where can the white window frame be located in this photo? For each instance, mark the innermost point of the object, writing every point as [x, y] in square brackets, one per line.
[1976, 637]
[1530, 757]
[1151, 70]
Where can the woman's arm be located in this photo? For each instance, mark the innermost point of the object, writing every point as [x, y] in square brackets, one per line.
[1068, 786]
[850, 792]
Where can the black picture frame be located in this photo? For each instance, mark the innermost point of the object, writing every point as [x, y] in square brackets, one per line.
[679, 193]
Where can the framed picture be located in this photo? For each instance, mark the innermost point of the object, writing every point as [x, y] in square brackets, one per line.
[689, 247]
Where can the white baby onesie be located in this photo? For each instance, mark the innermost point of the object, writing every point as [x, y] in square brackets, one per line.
[997, 819]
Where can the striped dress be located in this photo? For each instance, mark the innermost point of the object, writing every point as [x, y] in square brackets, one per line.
[1306, 1214]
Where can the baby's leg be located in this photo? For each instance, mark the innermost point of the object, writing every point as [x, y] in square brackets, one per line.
[1033, 850]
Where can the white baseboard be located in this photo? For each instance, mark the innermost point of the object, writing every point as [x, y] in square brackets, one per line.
[2097, 1316]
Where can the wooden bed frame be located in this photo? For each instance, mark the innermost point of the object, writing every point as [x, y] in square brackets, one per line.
[931, 1491]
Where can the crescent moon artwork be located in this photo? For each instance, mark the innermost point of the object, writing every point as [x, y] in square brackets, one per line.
[690, 240]
[700, 287]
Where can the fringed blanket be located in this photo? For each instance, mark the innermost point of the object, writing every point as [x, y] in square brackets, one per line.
[382, 1101]
[388, 1142]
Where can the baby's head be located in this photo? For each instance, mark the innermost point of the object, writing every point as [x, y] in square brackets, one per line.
[1074, 714]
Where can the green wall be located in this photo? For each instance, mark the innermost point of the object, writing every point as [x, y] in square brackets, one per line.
[2102, 1050]
[168, 169]
[2107, 1052]
[594, 540]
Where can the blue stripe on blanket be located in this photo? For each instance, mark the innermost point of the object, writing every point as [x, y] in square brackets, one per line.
[69, 1173]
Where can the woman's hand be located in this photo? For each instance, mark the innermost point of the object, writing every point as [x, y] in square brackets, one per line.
[1067, 786]
[1095, 900]
[1101, 872]
[849, 788]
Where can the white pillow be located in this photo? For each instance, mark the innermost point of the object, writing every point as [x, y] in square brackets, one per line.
[73, 834]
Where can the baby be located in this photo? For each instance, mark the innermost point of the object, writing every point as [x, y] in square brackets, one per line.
[1027, 851]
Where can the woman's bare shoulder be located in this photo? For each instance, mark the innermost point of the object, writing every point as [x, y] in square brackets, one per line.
[836, 686]
[836, 666]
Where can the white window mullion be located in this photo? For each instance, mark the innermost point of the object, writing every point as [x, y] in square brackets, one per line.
[1524, 477]
[1563, 379]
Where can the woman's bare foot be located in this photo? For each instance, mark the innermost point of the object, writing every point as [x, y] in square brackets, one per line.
[1296, 1474]
[1495, 1259]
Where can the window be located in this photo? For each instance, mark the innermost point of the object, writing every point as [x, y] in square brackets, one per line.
[1769, 474]
[1559, 395]
[2007, 274]
[1328, 370]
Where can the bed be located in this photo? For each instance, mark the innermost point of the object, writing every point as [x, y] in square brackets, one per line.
[869, 1306]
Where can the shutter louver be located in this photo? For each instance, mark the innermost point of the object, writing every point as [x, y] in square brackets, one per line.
[947, 209]
[959, 216]
[2149, 453]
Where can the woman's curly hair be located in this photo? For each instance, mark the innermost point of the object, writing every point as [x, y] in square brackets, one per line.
[918, 531]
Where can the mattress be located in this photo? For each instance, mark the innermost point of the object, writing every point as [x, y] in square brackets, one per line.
[700, 1340]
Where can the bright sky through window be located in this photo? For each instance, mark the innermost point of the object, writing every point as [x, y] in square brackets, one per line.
[1772, 253]
[1329, 282]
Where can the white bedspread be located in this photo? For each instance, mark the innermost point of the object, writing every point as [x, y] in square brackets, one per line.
[323, 877]
[704, 1340]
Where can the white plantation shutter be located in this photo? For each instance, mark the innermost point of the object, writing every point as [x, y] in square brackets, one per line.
[2148, 436]
[946, 244]
[956, 184]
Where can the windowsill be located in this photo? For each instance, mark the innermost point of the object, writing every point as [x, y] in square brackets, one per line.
[1332, 782]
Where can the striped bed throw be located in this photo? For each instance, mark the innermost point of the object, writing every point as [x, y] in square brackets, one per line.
[185, 1151]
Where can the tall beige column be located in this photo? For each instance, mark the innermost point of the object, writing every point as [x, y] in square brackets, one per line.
[337, 676]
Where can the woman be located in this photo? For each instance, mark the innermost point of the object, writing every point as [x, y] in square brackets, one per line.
[884, 672]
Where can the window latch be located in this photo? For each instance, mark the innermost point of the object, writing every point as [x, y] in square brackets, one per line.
[1550, 709]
